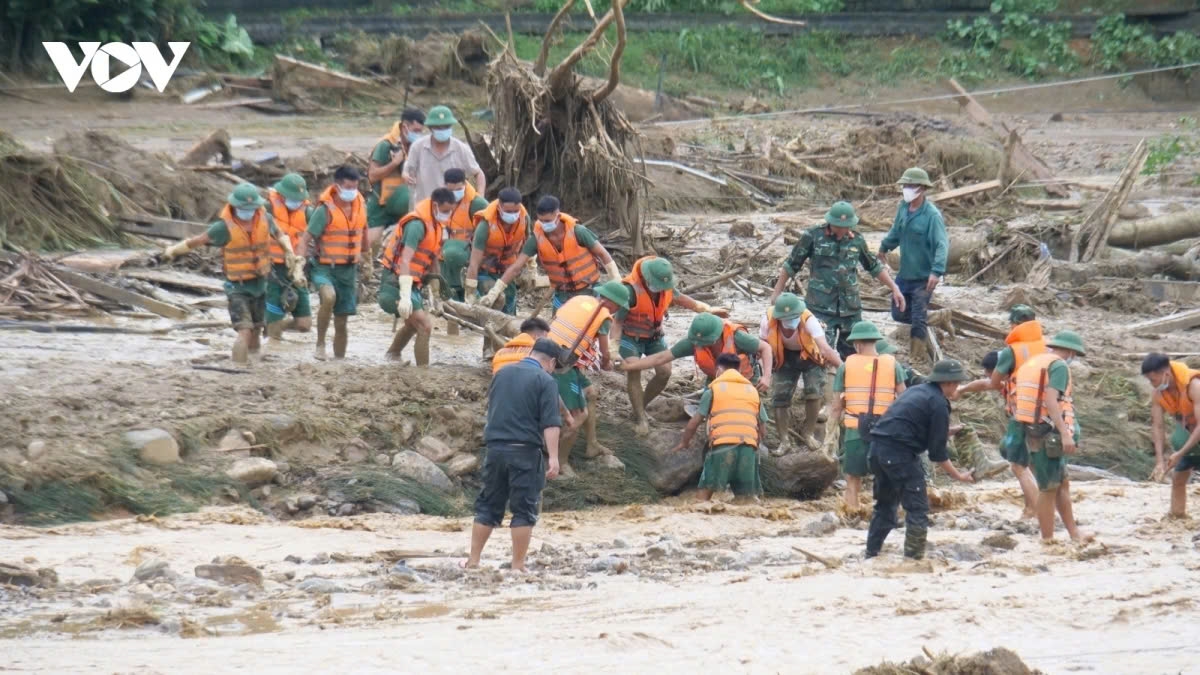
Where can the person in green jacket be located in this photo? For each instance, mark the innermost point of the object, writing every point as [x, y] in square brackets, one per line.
[920, 233]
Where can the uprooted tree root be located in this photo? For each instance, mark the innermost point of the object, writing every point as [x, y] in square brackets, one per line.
[999, 661]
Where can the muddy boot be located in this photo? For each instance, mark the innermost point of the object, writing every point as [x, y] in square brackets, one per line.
[340, 336]
[985, 464]
[421, 349]
[783, 426]
[914, 541]
[812, 408]
[451, 328]
[399, 342]
[875, 538]
[324, 314]
[918, 351]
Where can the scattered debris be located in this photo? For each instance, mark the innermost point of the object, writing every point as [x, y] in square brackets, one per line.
[215, 145]
[1092, 236]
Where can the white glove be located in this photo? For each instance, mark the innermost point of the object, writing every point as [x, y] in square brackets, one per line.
[295, 265]
[404, 304]
[489, 300]
[614, 272]
[702, 307]
[435, 295]
[470, 293]
[540, 281]
[175, 250]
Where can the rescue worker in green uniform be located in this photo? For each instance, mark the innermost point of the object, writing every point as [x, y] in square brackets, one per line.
[385, 172]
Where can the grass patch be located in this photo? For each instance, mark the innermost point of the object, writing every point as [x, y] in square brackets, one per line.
[373, 485]
[604, 487]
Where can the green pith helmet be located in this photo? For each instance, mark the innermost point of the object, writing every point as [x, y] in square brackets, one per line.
[706, 329]
[440, 116]
[455, 253]
[788, 306]
[245, 196]
[948, 370]
[864, 330]
[292, 186]
[614, 291]
[915, 176]
[1068, 339]
[659, 275]
[841, 214]
[1021, 314]
[885, 347]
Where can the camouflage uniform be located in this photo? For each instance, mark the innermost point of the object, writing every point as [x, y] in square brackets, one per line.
[833, 285]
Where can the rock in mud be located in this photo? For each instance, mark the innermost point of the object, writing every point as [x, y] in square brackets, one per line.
[669, 472]
[306, 502]
[742, 228]
[230, 575]
[803, 475]
[356, 451]
[383, 459]
[346, 510]
[396, 506]
[609, 463]
[826, 524]
[154, 446]
[1001, 541]
[3, 499]
[415, 467]
[17, 574]
[153, 569]
[1079, 472]
[286, 428]
[609, 563]
[960, 552]
[668, 410]
[319, 586]
[253, 470]
[35, 449]
[666, 548]
[462, 464]
[233, 441]
[434, 449]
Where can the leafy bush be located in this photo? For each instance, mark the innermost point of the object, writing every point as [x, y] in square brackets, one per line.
[1020, 42]
[1165, 149]
[1118, 44]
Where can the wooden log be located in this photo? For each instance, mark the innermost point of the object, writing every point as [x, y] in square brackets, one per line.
[1155, 231]
[234, 103]
[1073, 204]
[320, 75]
[965, 191]
[178, 279]
[125, 297]
[156, 226]
[215, 145]
[503, 324]
[1177, 321]
[103, 260]
[1091, 237]
[960, 245]
[1139, 266]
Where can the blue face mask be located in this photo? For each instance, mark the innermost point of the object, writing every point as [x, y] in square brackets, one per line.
[509, 218]
[244, 214]
[459, 194]
[293, 204]
[441, 135]
[550, 226]
[347, 194]
[412, 136]
[791, 324]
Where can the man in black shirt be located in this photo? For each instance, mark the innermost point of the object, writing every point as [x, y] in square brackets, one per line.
[523, 425]
[919, 420]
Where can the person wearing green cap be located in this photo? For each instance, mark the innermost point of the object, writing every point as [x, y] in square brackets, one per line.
[385, 172]
[581, 327]
[799, 349]
[456, 245]
[1025, 340]
[916, 422]
[244, 231]
[920, 233]
[637, 331]
[863, 389]
[1045, 407]
[836, 250]
[431, 156]
[289, 206]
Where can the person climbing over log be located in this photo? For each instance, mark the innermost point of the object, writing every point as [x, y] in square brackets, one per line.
[638, 331]
[500, 232]
[836, 251]
[737, 423]
[244, 231]
[460, 229]
[920, 233]
[1176, 393]
[570, 254]
[431, 156]
[385, 172]
[289, 207]
[799, 350]
[409, 261]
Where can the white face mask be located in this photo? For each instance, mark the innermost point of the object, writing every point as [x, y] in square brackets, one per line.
[441, 135]
[412, 136]
[441, 217]
[911, 193]
[550, 226]
[509, 218]
[1163, 387]
[347, 194]
[460, 193]
[791, 324]
[293, 204]
[244, 214]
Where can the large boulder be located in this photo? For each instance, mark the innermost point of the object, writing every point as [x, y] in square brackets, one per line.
[253, 471]
[462, 464]
[420, 470]
[669, 472]
[154, 446]
[803, 475]
[434, 450]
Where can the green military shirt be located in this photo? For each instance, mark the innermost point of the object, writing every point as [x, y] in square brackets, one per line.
[218, 235]
[706, 401]
[742, 341]
[922, 240]
[839, 386]
[1005, 361]
[384, 214]
[584, 236]
[833, 284]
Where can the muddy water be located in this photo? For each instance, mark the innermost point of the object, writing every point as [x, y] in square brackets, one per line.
[729, 591]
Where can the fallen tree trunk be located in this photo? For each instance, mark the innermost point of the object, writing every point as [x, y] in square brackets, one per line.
[960, 247]
[501, 323]
[1156, 231]
[1140, 266]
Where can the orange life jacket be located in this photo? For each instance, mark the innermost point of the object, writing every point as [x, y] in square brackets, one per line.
[427, 251]
[1176, 402]
[394, 180]
[1026, 341]
[503, 245]
[860, 372]
[645, 318]
[808, 346]
[292, 223]
[461, 226]
[706, 357]
[1030, 392]
[572, 320]
[513, 351]
[341, 243]
[733, 419]
[247, 255]
[573, 268]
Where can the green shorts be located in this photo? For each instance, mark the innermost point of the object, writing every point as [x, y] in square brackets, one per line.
[377, 216]
[1012, 446]
[486, 281]
[854, 454]
[455, 256]
[1050, 473]
[246, 311]
[389, 295]
[571, 386]
[278, 281]
[735, 466]
[1190, 461]
[634, 347]
[344, 281]
[788, 376]
[560, 298]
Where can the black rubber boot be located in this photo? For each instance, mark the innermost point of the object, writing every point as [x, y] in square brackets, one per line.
[914, 542]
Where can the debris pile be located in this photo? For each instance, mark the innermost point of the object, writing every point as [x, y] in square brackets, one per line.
[999, 661]
[29, 291]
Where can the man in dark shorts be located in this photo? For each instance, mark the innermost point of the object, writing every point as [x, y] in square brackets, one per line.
[523, 426]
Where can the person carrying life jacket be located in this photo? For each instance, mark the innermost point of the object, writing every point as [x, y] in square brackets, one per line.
[385, 172]
[1176, 395]
[736, 428]
[500, 231]
[244, 232]
[288, 199]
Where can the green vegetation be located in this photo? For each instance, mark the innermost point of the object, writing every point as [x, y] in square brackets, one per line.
[1164, 150]
[1118, 45]
[1014, 40]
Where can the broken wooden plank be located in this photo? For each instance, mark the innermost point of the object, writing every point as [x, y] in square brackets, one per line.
[233, 103]
[1092, 236]
[102, 260]
[200, 93]
[155, 226]
[178, 279]
[686, 169]
[1073, 204]
[964, 191]
[121, 295]
[274, 108]
[324, 76]
[1177, 321]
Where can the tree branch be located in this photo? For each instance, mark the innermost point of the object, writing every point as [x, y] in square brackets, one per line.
[614, 66]
[767, 17]
[584, 47]
[539, 66]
